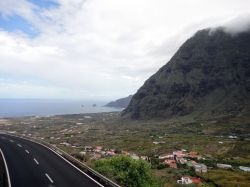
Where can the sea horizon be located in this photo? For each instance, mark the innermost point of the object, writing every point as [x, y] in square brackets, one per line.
[22, 107]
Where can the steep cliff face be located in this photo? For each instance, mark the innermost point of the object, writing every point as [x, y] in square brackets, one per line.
[210, 73]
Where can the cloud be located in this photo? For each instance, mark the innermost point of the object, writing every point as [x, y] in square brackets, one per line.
[102, 49]
[238, 24]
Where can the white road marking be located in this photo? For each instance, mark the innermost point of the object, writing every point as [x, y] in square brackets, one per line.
[36, 161]
[49, 178]
[19, 145]
[27, 151]
[12, 141]
[61, 158]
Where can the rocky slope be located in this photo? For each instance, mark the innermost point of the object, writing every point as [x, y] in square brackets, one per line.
[120, 103]
[208, 75]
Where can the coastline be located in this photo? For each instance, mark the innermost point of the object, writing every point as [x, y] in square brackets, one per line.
[16, 108]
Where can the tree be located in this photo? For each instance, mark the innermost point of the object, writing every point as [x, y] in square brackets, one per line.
[126, 171]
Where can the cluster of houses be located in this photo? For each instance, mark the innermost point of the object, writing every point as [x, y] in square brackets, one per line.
[228, 166]
[172, 160]
[184, 157]
[99, 152]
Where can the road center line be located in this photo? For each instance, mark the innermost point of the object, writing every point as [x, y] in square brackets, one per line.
[27, 151]
[36, 161]
[19, 145]
[49, 178]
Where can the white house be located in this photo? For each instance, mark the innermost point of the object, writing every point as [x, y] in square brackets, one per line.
[169, 156]
[243, 168]
[135, 157]
[201, 168]
[224, 166]
[185, 180]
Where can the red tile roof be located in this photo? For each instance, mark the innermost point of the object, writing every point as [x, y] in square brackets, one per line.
[196, 180]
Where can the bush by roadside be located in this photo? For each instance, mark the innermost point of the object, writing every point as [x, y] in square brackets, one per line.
[127, 171]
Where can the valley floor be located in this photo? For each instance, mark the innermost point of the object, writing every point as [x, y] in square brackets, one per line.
[90, 137]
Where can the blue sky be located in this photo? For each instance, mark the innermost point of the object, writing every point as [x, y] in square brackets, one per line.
[45, 3]
[99, 49]
[15, 22]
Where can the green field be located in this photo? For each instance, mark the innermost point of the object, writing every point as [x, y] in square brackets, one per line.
[210, 138]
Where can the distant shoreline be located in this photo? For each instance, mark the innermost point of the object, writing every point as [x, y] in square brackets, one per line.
[19, 108]
[60, 115]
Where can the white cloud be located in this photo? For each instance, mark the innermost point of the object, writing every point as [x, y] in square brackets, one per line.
[102, 48]
[238, 24]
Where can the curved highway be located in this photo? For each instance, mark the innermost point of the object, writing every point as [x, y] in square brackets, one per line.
[33, 165]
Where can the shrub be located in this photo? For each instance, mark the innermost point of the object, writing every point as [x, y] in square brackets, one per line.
[161, 166]
[126, 171]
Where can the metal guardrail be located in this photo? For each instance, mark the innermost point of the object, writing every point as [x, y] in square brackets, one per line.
[83, 167]
[4, 173]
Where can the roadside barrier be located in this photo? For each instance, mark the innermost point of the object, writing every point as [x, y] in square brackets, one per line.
[4, 172]
[94, 175]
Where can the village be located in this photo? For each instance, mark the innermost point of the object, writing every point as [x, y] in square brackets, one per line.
[176, 159]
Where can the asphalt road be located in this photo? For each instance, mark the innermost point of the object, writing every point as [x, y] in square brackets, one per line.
[32, 165]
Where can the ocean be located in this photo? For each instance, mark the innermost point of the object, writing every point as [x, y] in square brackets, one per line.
[49, 107]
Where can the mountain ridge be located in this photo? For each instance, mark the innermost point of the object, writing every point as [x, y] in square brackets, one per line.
[120, 103]
[209, 73]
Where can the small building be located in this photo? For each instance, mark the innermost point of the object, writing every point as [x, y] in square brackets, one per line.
[156, 142]
[97, 156]
[181, 160]
[125, 153]
[224, 166]
[185, 180]
[200, 168]
[167, 156]
[170, 163]
[144, 157]
[88, 148]
[135, 157]
[66, 144]
[196, 180]
[110, 153]
[103, 152]
[82, 153]
[193, 154]
[179, 154]
[98, 149]
[87, 117]
[232, 137]
[243, 168]
[173, 165]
